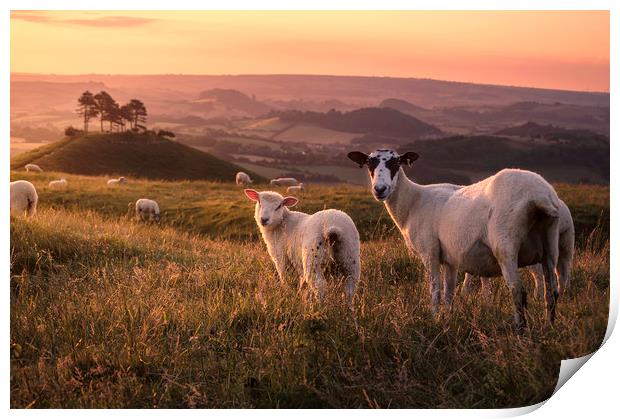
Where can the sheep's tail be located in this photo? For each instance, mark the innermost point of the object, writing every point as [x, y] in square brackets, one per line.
[333, 235]
[30, 206]
[548, 205]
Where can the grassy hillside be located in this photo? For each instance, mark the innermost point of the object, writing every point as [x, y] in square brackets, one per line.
[107, 312]
[128, 154]
[221, 210]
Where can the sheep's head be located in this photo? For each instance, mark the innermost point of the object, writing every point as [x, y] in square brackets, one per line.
[383, 168]
[270, 207]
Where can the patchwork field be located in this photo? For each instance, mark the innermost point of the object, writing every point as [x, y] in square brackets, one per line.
[109, 312]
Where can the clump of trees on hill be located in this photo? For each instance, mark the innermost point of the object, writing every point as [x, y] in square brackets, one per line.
[130, 116]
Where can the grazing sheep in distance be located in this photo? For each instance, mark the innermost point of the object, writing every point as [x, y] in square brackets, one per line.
[24, 198]
[296, 188]
[243, 178]
[566, 251]
[146, 210]
[58, 184]
[115, 182]
[303, 244]
[30, 167]
[284, 181]
[489, 228]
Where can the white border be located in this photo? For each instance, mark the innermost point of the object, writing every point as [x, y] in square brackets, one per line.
[593, 392]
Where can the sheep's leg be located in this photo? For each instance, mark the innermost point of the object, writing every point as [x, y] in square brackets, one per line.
[550, 261]
[314, 258]
[564, 272]
[449, 281]
[485, 284]
[468, 284]
[347, 256]
[519, 296]
[538, 276]
[433, 278]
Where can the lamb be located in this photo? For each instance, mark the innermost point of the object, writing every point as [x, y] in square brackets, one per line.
[489, 228]
[243, 178]
[302, 244]
[284, 181]
[146, 210]
[58, 184]
[566, 247]
[24, 198]
[116, 182]
[30, 167]
[296, 188]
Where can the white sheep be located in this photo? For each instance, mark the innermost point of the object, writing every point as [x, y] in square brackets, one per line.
[24, 198]
[31, 167]
[243, 178]
[302, 245]
[146, 210]
[116, 182]
[284, 181]
[566, 251]
[489, 228]
[58, 184]
[296, 188]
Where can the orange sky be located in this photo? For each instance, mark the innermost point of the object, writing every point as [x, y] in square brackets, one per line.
[554, 49]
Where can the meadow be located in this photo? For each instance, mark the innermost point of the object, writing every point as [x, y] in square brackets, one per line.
[109, 312]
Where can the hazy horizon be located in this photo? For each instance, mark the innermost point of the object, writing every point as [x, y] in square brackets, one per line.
[558, 50]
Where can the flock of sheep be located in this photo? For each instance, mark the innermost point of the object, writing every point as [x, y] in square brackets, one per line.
[491, 228]
[24, 197]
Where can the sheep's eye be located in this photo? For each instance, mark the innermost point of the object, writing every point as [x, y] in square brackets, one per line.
[278, 207]
[373, 162]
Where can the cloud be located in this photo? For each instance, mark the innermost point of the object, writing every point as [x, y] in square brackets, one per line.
[104, 21]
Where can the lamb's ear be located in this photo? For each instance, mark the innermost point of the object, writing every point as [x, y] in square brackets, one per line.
[408, 158]
[290, 201]
[251, 194]
[358, 157]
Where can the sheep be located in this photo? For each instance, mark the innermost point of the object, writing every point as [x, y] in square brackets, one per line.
[243, 178]
[284, 181]
[31, 167]
[303, 244]
[296, 188]
[146, 210]
[489, 228]
[566, 247]
[116, 182]
[58, 184]
[24, 198]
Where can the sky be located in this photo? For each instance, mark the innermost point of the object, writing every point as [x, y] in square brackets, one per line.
[548, 49]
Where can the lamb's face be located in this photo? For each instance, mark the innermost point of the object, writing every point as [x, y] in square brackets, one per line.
[270, 207]
[383, 169]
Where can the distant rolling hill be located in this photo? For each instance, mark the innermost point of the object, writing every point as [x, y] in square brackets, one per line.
[534, 130]
[377, 121]
[232, 100]
[128, 154]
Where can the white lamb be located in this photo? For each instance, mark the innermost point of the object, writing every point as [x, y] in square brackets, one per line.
[243, 178]
[24, 198]
[302, 245]
[489, 228]
[146, 210]
[30, 167]
[284, 181]
[566, 247]
[58, 184]
[296, 188]
[116, 182]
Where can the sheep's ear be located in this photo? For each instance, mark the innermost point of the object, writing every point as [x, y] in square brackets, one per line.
[408, 158]
[358, 157]
[290, 201]
[251, 194]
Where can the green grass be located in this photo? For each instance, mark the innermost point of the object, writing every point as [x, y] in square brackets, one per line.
[128, 154]
[108, 312]
[221, 210]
